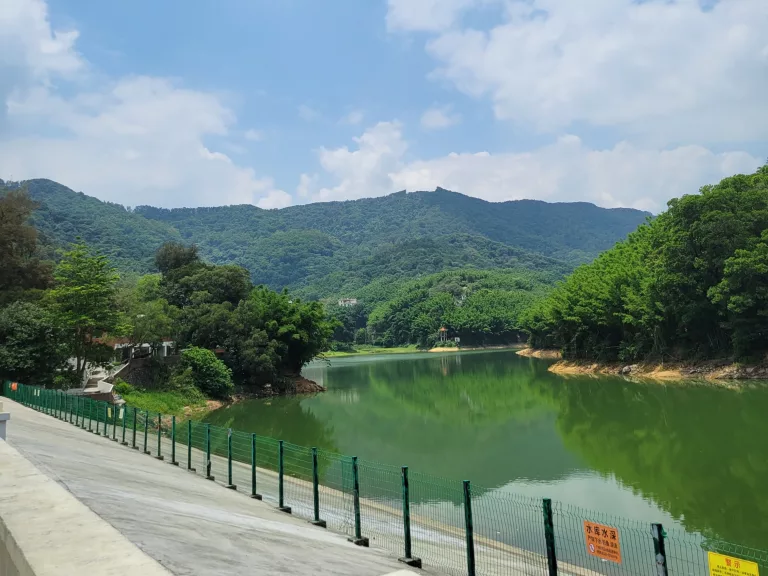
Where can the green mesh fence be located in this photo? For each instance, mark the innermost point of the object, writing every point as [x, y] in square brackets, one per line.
[452, 526]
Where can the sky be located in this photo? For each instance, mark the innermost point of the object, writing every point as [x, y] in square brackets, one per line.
[282, 102]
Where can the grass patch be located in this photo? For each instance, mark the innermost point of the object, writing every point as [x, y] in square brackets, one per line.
[365, 350]
[171, 402]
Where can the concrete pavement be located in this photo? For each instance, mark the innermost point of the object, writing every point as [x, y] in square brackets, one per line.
[189, 525]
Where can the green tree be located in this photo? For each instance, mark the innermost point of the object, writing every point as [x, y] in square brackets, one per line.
[211, 375]
[688, 285]
[274, 336]
[153, 323]
[31, 349]
[84, 304]
[21, 266]
[174, 255]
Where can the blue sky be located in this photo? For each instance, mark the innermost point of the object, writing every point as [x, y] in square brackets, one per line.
[196, 102]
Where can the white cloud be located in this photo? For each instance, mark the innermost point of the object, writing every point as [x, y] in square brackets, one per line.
[567, 170]
[354, 118]
[438, 118]
[132, 140]
[366, 171]
[308, 114]
[670, 71]
[253, 135]
[275, 199]
[426, 15]
[307, 183]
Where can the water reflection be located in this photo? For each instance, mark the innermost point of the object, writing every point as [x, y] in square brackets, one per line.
[697, 452]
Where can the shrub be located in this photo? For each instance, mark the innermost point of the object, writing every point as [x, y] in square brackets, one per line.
[123, 388]
[209, 374]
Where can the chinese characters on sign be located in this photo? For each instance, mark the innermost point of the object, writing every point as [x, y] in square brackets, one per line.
[602, 541]
[720, 565]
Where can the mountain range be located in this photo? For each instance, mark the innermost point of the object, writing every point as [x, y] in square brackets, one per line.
[336, 248]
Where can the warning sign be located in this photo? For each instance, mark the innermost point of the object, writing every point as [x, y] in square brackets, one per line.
[602, 541]
[721, 565]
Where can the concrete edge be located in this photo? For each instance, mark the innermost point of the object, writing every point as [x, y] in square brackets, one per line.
[48, 532]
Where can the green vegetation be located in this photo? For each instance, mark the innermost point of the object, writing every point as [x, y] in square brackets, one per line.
[691, 284]
[171, 402]
[205, 372]
[54, 327]
[481, 307]
[335, 249]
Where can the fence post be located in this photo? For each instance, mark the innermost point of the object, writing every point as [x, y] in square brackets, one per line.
[124, 410]
[82, 415]
[159, 437]
[316, 491]
[549, 536]
[134, 431]
[659, 549]
[230, 485]
[408, 557]
[469, 529]
[358, 538]
[255, 495]
[114, 423]
[208, 453]
[280, 474]
[90, 415]
[146, 430]
[189, 447]
[173, 441]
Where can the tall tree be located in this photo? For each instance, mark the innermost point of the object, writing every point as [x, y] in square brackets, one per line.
[174, 255]
[21, 267]
[84, 304]
[31, 348]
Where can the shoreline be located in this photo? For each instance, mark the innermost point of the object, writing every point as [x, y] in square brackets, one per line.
[412, 350]
[710, 370]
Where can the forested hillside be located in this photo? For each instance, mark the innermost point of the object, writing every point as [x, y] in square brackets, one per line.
[335, 249]
[691, 284]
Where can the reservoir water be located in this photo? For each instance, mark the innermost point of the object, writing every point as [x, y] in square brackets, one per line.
[692, 456]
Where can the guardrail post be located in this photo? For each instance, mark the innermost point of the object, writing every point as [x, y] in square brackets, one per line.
[408, 557]
[280, 473]
[469, 529]
[549, 536]
[255, 495]
[358, 538]
[189, 447]
[159, 437]
[230, 485]
[208, 453]
[316, 491]
[123, 414]
[146, 431]
[660, 549]
[173, 441]
[133, 444]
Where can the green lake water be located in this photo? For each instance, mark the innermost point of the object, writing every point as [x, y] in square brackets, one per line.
[693, 456]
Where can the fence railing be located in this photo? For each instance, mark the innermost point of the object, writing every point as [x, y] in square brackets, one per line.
[453, 526]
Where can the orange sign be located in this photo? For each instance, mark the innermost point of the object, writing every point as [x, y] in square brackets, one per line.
[602, 541]
[14, 385]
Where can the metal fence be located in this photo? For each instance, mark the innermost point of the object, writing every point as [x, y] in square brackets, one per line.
[453, 526]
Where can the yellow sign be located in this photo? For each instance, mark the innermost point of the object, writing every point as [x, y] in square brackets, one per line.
[602, 541]
[721, 565]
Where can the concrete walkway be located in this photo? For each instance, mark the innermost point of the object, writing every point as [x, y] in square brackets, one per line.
[189, 525]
